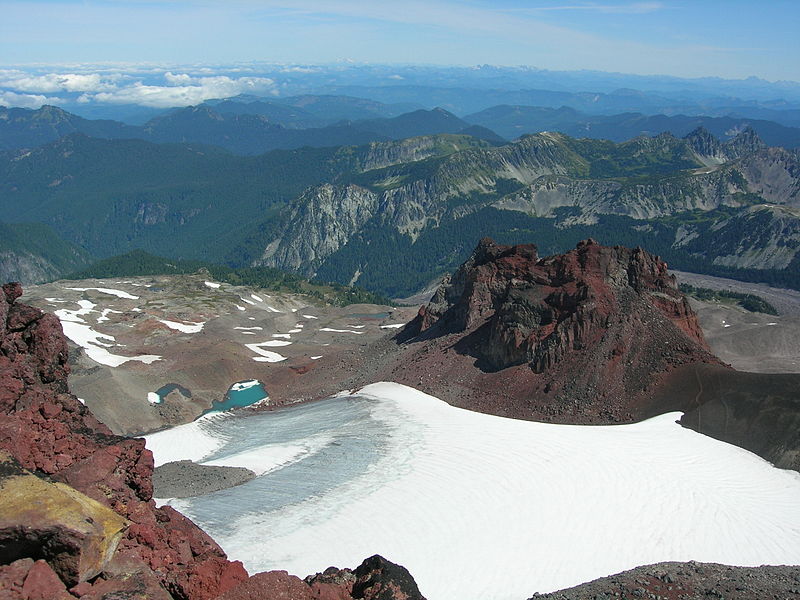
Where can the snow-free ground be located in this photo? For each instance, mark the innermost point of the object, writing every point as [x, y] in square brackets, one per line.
[477, 506]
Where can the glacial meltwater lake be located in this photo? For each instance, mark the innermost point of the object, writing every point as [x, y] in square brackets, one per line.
[464, 500]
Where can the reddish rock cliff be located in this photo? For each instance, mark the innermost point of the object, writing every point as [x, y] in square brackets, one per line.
[578, 337]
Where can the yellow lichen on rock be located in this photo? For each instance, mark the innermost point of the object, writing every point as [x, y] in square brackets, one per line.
[75, 534]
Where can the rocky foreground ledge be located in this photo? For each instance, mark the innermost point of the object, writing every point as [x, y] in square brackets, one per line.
[688, 581]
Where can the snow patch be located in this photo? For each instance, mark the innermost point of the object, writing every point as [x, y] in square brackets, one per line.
[192, 441]
[110, 291]
[245, 385]
[393, 326]
[272, 457]
[264, 355]
[76, 329]
[310, 317]
[341, 330]
[104, 315]
[90, 340]
[212, 284]
[153, 398]
[183, 327]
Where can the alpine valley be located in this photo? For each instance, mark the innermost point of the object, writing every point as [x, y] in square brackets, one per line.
[393, 216]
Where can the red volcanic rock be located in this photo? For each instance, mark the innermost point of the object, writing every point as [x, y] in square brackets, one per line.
[41, 583]
[49, 432]
[375, 579]
[595, 329]
[12, 578]
[277, 585]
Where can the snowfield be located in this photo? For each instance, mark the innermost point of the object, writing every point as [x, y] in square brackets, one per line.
[479, 507]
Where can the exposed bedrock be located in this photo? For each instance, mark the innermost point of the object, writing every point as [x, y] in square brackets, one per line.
[374, 579]
[595, 329]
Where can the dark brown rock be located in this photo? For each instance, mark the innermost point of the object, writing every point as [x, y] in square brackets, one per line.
[380, 579]
[689, 581]
[127, 579]
[756, 411]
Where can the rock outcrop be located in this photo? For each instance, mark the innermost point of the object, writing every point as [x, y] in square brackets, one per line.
[374, 579]
[594, 329]
[75, 534]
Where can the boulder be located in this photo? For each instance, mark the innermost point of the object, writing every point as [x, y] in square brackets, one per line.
[76, 535]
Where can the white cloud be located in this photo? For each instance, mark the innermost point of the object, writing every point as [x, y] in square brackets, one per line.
[58, 82]
[199, 90]
[179, 79]
[9, 99]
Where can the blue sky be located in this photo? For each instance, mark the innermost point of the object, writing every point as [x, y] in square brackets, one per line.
[731, 38]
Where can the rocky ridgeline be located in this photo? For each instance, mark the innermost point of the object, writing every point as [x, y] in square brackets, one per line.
[77, 518]
[596, 326]
[688, 581]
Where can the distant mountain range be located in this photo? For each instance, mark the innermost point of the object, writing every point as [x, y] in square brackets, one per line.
[237, 131]
[392, 216]
[249, 125]
[513, 121]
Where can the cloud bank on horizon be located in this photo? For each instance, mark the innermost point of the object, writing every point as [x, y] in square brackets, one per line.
[51, 48]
